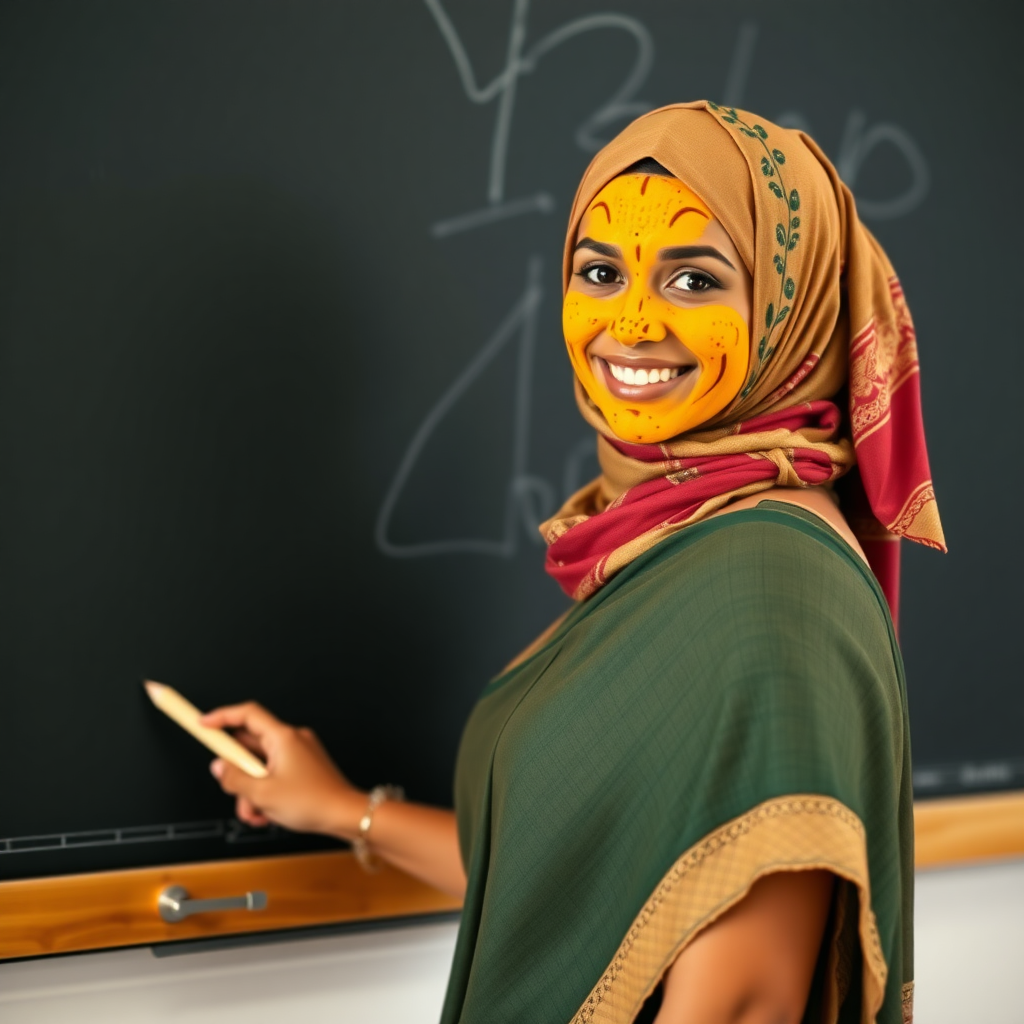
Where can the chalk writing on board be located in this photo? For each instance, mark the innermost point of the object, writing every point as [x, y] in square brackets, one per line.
[620, 107]
[858, 142]
[968, 776]
[528, 497]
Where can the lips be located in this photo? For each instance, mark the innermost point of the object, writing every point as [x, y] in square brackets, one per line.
[640, 379]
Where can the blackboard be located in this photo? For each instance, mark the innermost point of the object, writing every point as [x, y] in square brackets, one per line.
[282, 387]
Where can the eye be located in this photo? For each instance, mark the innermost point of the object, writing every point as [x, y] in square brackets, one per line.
[694, 281]
[601, 274]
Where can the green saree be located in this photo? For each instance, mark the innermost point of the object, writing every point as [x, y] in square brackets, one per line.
[730, 704]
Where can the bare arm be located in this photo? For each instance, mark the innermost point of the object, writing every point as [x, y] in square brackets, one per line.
[306, 792]
[755, 964]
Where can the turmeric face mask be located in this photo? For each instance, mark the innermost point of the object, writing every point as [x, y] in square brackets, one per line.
[655, 318]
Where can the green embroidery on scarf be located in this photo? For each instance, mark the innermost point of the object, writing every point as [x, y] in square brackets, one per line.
[786, 235]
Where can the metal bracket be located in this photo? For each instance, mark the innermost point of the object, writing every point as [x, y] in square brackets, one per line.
[175, 905]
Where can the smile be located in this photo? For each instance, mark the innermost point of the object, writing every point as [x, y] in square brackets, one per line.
[630, 376]
[647, 381]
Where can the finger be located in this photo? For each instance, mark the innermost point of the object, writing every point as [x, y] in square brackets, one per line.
[246, 812]
[234, 781]
[250, 715]
[312, 741]
[249, 741]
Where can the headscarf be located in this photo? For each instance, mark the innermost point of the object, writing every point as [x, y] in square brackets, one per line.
[827, 311]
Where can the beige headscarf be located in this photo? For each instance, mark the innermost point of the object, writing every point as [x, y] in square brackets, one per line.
[827, 309]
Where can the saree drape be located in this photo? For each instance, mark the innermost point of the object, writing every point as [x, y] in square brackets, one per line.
[730, 704]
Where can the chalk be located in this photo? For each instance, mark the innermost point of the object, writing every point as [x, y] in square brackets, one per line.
[187, 715]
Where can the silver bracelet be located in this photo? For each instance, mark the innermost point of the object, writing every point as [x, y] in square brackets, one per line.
[360, 844]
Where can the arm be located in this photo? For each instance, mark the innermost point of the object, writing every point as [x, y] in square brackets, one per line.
[306, 792]
[754, 965]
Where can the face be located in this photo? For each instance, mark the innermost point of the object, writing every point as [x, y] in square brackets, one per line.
[657, 309]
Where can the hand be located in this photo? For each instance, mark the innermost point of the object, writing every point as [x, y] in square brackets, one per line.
[304, 790]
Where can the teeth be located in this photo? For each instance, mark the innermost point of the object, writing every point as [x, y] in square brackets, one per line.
[628, 375]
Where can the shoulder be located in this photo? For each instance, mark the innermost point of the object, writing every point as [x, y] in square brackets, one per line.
[760, 593]
[759, 559]
[819, 501]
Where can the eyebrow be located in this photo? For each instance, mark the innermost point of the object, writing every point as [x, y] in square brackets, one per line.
[690, 252]
[676, 252]
[611, 251]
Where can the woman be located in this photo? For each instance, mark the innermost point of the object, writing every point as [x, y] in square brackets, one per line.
[690, 799]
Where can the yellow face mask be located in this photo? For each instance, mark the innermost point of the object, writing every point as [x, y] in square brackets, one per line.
[634, 220]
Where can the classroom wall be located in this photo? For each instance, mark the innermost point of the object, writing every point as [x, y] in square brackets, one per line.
[970, 938]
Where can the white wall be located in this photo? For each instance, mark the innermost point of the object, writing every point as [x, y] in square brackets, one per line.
[969, 945]
[393, 976]
[970, 966]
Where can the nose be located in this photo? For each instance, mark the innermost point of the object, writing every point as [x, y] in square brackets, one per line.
[632, 324]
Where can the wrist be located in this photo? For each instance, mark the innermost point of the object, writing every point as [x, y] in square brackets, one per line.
[346, 813]
[361, 843]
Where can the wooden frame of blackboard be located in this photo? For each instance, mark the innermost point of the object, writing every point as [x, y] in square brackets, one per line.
[76, 913]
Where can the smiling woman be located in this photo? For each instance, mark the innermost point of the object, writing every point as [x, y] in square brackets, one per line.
[689, 800]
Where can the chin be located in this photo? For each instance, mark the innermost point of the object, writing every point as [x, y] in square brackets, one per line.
[644, 427]
[637, 421]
